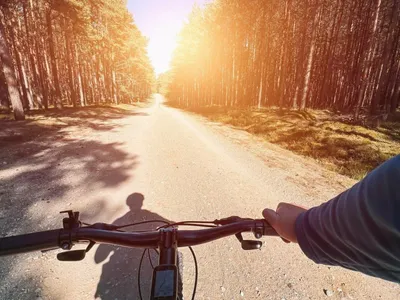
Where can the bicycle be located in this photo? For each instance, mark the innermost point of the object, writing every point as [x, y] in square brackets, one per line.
[165, 240]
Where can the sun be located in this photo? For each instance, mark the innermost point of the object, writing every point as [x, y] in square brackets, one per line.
[162, 44]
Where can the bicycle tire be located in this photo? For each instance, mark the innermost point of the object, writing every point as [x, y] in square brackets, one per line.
[180, 275]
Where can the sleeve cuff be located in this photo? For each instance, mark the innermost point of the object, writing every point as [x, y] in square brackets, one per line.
[302, 240]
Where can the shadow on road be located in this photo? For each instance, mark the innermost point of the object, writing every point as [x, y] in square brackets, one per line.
[119, 278]
[41, 164]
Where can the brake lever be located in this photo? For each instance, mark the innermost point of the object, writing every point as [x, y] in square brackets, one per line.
[75, 255]
[258, 231]
[248, 244]
[73, 222]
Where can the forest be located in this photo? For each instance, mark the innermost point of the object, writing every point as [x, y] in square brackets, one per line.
[57, 53]
[341, 55]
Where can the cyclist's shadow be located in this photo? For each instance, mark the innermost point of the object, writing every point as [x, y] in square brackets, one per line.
[119, 278]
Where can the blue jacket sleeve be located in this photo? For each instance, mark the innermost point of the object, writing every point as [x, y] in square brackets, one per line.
[360, 228]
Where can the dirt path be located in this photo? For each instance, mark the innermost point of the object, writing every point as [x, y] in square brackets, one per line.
[186, 168]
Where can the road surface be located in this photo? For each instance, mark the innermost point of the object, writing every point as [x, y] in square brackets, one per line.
[186, 168]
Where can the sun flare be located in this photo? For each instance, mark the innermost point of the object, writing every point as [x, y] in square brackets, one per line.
[162, 45]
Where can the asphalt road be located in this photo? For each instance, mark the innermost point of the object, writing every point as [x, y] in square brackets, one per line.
[186, 168]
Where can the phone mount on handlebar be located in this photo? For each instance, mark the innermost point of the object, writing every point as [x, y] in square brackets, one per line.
[72, 222]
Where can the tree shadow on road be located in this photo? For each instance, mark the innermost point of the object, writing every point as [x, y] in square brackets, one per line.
[119, 278]
[42, 171]
[42, 166]
[41, 124]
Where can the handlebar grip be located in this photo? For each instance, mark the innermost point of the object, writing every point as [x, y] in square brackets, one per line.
[268, 229]
[29, 242]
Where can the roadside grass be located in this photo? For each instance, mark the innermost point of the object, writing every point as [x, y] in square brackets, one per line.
[348, 149]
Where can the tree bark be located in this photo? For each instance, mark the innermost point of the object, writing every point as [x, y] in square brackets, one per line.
[69, 63]
[17, 55]
[10, 78]
[58, 100]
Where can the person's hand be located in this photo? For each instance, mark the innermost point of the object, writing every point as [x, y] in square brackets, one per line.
[283, 220]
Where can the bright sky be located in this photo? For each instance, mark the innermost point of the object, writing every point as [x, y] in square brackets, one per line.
[161, 21]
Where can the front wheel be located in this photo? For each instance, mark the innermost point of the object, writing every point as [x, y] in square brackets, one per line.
[179, 264]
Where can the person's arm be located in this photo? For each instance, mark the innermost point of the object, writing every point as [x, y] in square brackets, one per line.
[359, 229]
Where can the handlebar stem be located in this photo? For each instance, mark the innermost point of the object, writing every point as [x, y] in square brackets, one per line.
[168, 246]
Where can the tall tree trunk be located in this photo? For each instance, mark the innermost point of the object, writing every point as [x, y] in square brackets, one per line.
[58, 99]
[43, 78]
[69, 63]
[30, 41]
[4, 97]
[79, 76]
[17, 54]
[365, 58]
[114, 87]
[9, 75]
[307, 77]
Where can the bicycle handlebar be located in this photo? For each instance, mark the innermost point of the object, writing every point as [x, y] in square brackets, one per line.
[29, 242]
[64, 238]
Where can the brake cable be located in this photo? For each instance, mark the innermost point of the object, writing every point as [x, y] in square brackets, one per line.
[139, 270]
[196, 272]
[209, 224]
[143, 222]
[196, 267]
[190, 223]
